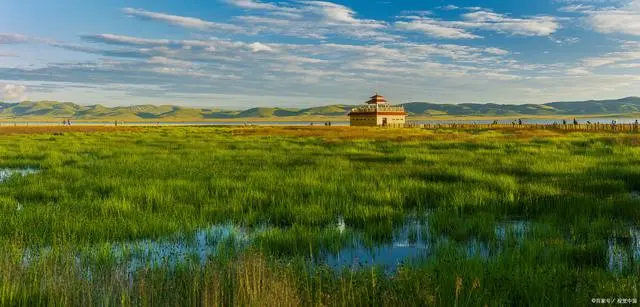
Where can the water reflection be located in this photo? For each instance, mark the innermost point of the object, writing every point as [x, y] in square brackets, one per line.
[414, 241]
[623, 252]
[6, 173]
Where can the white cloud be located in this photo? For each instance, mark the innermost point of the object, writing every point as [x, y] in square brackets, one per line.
[565, 40]
[576, 8]
[435, 28]
[250, 4]
[169, 62]
[265, 20]
[187, 22]
[334, 13]
[612, 58]
[578, 71]
[124, 40]
[416, 13]
[496, 51]
[13, 92]
[449, 7]
[627, 65]
[259, 47]
[307, 19]
[13, 38]
[624, 19]
[629, 52]
[197, 60]
[480, 20]
[530, 26]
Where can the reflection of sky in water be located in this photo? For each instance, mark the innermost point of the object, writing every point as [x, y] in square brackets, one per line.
[199, 248]
[623, 252]
[133, 256]
[6, 173]
[412, 242]
[516, 228]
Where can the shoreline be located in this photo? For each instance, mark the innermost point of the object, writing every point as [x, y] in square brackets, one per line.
[308, 119]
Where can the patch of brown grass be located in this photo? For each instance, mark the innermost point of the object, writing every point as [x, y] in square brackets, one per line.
[6, 130]
[405, 134]
[374, 133]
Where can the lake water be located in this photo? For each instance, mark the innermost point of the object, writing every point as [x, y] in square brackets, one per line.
[558, 120]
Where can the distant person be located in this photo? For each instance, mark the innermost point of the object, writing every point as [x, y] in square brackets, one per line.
[311, 124]
[520, 121]
[329, 124]
[575, 121]
[564, 122]
[116, 123]
[495, 122]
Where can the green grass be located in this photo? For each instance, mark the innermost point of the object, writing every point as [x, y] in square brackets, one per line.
[96, 189]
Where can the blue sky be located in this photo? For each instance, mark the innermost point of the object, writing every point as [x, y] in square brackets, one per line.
[245, 53]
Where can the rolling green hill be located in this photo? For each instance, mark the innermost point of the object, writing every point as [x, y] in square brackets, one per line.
[52, 110]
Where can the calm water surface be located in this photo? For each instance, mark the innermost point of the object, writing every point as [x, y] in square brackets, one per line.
[601, 120]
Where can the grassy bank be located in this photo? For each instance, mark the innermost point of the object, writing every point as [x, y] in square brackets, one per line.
[578, 190]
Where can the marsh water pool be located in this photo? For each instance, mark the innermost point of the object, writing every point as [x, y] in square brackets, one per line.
[6, 173]
[412, 242]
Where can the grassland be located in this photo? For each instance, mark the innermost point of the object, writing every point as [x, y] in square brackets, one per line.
[99, 186]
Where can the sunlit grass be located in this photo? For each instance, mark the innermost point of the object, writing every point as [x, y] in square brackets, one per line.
[97, 188]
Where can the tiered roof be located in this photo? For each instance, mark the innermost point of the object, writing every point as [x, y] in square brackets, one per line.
[377, 99]
[377, 105]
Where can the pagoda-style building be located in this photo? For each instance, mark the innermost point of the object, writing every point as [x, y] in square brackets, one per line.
[377, 112]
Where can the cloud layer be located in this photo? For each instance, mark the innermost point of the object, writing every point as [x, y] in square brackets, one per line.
[310, 52]
[621, 19]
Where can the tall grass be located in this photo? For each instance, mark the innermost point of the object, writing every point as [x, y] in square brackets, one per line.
[119, 185]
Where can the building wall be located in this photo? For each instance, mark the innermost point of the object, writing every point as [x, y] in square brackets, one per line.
[392, 120]
[372, 120]
[363, 120]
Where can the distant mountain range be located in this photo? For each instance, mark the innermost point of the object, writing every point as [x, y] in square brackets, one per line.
[52, 110]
